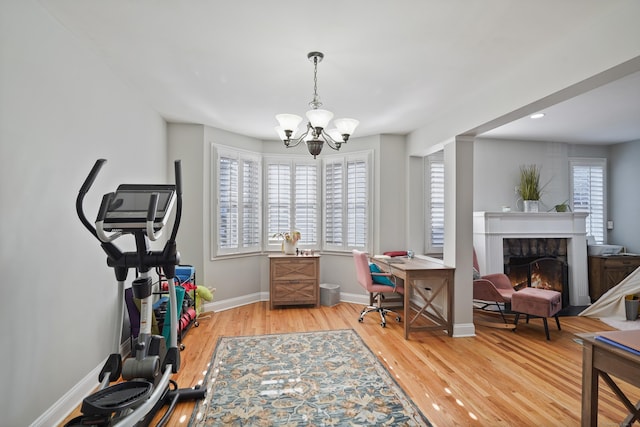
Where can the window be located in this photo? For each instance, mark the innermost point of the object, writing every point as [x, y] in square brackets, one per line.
[292, 199]
[346, 197]
[434, 167]
[238, 201]
[588, 185]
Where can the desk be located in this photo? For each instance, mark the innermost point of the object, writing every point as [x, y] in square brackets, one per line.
[599, 360]
[438, 278]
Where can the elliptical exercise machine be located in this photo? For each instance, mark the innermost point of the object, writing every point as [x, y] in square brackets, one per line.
[142, 211]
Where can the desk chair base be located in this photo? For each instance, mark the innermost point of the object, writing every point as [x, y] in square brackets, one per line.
[379, 309]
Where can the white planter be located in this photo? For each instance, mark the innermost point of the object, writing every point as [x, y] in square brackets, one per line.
[289, 248]
[530, 205]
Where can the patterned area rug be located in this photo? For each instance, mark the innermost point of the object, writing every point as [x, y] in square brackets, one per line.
[328, 378]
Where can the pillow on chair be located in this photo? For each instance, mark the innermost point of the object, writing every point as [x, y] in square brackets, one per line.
[380, 280]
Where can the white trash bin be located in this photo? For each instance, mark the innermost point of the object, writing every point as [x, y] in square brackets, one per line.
[329, 294]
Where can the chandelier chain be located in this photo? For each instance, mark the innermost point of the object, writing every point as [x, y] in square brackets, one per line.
[315, 104]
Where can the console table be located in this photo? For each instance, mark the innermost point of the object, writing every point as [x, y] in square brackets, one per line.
[294, 280]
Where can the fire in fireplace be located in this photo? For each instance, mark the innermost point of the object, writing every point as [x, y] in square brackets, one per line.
[538, 263]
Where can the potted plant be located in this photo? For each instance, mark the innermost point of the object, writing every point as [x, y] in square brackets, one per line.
[529, 188]
[289, 240]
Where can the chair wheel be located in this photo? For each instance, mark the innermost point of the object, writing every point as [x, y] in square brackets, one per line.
[398, 319]
[384, 325]
[360, 320]
[182, 347]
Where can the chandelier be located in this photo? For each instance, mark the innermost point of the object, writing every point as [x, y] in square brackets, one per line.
[316, 133]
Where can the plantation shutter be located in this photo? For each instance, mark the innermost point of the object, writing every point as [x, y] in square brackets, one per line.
[436, 203]
[278, 199]
[251, 204]
[228, 202]
[588, 194]
[333, 203]
[357, 204]
[238, 201]
[306, 203]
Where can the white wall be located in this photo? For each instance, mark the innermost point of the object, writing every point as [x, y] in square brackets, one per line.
[61, 108]
[497, 166]
[624, 196]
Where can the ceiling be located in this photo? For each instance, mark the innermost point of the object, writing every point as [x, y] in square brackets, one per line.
[233, 65]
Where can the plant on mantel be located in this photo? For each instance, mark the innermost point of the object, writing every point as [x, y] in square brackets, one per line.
[529, 187]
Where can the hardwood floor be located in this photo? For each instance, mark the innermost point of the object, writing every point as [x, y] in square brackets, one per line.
[497, 378]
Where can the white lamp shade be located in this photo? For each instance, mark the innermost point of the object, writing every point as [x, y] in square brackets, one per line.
[280, 132]
[334, 134]
[319, 118]
[346, 126]
[289, 121]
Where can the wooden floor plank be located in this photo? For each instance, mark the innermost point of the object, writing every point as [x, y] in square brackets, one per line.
[497, 378]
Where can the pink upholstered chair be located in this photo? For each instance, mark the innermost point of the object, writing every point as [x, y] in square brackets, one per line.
[492, 290]
[365, 278]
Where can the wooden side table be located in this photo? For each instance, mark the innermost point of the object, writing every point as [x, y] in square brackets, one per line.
[294, 280]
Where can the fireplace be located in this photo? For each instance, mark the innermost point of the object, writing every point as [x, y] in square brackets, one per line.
[538, 263]
[562, 234]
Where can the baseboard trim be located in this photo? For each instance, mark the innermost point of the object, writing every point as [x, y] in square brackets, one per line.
[464, 330]
[60, 410]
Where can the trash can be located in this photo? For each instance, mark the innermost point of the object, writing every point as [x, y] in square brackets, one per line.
[329, 294]
[630, 308]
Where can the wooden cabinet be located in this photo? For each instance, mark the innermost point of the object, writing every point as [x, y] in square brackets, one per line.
[294, 280]
[605, 272]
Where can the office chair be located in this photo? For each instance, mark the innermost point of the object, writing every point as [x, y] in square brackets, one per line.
[376, 283]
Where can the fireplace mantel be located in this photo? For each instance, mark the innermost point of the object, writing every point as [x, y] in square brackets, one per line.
[490, 228]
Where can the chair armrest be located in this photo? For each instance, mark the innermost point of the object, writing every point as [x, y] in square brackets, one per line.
[485, 290]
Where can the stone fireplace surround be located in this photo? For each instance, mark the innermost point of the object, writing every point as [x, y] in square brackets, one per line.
[491, 228]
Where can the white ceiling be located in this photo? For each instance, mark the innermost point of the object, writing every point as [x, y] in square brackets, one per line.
[233, 65]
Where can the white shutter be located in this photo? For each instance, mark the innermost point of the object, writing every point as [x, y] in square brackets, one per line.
[435, 204]
[347, 194]
[333, 203]
[278, 199]
[227, 202]
[357, 204]
[588, 194]
[292, 199]
[251, 204]
[306, 203]
[238, 201]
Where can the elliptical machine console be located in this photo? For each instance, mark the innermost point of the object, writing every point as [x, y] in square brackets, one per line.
[142, 211]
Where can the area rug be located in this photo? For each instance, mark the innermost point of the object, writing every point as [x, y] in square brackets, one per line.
[327, 378]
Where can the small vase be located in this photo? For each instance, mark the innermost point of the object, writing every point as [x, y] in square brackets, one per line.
[530, 205]
[289, 248]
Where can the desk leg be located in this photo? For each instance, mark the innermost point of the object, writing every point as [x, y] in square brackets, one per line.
[407, 311]
[589, 388]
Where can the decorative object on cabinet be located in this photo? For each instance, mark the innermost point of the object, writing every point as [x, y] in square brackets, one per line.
[289, 240]
[294, 280]
[607, 271]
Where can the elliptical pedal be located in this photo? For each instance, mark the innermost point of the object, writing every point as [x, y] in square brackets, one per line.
[117, 397]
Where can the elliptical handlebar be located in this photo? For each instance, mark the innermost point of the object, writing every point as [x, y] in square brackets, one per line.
[88, 182]
[178, 217]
